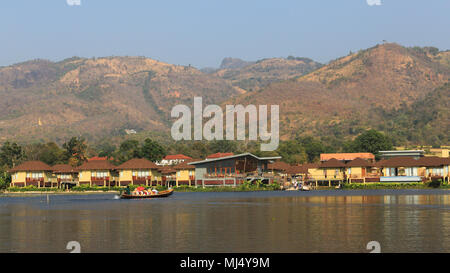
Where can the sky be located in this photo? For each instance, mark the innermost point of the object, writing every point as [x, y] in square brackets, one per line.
[202, 32]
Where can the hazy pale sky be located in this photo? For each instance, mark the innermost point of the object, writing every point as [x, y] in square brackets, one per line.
[203, 32]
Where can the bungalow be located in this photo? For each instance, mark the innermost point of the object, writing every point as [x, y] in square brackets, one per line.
[400, 169]
[435, 167]
[231, 170]
[280, 170]
[278, 167]
[95, 172]
[185, 173]
[298, 171]
[168, 176]
[65, 174]
[31, 173]
[332, 169]
[313, 170]
[360, 170]
[138, 171]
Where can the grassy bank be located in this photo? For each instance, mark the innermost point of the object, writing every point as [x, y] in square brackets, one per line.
[244, 187]
[377, 186]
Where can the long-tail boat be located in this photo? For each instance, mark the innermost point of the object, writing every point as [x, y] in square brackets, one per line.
[149, 194]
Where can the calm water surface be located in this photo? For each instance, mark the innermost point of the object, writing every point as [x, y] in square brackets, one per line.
[319, 221]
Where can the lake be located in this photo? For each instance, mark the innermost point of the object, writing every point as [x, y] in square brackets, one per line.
[232, 222]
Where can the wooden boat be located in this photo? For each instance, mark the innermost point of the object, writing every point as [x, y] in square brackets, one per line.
[157, 195]
[305, 188]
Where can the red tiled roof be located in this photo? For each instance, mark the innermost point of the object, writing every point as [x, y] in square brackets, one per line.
[359, 162]
[63, 168]
[167, 170]
[297, 169]
[401, 161]
[219, 155]
[311, 165]
[332, 163]
[347, 156]
[178, 156]
[433, 161]
[97, 165]
[31, 166]
[137, 163]
[278, 165]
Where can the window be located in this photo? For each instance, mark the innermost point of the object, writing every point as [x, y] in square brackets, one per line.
[143, 173]
[438, 171]
[100, 174]
[36, 175]
[121, 173]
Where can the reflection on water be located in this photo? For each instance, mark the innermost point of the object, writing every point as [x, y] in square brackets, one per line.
[320, 221]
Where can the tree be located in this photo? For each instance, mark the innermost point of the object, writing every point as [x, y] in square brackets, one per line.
[223, 146]
[76, 150]
[49, 153]
[152, 150]
[372, 141]
[128, 149]
[313, 148]
[106, 149]
[5, 180]
[292, 152]
[11, 154]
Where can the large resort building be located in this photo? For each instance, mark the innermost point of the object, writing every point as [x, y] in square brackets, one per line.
[232, 170]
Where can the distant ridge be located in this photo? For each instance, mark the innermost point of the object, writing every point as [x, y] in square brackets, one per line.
[401, 91]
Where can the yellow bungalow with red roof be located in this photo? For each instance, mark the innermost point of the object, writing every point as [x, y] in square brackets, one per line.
[96, 173]
[138, 171]
[31, 173]
[185, 173]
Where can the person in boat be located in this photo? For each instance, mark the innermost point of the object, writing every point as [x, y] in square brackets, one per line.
[154, 191]
[127, 190]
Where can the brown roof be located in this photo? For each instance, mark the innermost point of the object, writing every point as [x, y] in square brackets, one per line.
[297, 169]
[433, 161]
[97, 165]
[137, 163]
[279, 166]
[332, 163]
[311, 165]
[31, 166]
[63, 168]
[178, 156]
[359, 162]
[346, 156]
[184, 165]
[167, 170]
[401, 161]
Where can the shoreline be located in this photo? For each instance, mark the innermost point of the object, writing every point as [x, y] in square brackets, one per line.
[365, 187]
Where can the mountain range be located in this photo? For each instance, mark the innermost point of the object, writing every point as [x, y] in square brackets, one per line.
[401, 91]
